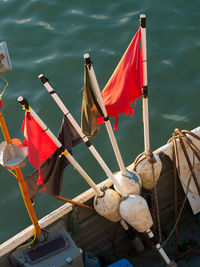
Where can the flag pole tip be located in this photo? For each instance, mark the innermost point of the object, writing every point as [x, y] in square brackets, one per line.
[87, 59]
[142, 16]
[20, 99]
[143, 20]
[86, 55]
[23, 102]
[43, 79]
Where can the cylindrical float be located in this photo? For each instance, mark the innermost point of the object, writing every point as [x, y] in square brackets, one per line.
[108, 205]
[134, 210]
[148, 171]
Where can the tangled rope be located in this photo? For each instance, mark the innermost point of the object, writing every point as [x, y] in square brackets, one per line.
[181, 136]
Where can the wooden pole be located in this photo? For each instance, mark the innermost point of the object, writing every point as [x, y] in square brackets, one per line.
[21, 182]
[74, 202]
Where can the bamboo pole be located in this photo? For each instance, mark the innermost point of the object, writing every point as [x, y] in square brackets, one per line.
[21, 182]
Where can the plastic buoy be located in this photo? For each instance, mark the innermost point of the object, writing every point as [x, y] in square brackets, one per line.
[131, 183]
[134, 210]
[146, 173]
[108, 205]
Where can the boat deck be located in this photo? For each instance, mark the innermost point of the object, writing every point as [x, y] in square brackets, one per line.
[109, 242]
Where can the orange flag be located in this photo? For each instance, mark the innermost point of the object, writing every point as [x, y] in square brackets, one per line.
[40, 146]
[125, 84]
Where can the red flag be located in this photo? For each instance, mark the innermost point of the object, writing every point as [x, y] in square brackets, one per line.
[125, 84]
[40, 146]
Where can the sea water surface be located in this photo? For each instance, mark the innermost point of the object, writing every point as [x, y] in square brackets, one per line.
[51, 37]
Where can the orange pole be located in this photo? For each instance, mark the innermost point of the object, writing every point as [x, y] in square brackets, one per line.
[21, 181]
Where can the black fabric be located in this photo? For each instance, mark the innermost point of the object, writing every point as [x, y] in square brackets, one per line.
[52, 169]
[90, 108]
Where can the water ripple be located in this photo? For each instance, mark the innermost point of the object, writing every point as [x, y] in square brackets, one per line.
[45, 25]
[22, 21]
[100, 17]
[43, 59]
[175, 117]
[77, 11]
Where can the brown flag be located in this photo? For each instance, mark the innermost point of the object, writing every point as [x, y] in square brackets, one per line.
[90, 108]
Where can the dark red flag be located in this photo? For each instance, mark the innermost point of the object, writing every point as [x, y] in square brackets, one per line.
[125, 84]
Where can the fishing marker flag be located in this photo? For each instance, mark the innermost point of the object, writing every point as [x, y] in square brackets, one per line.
[40, 146]
[53, 168]
[90, 108]
[126, 82]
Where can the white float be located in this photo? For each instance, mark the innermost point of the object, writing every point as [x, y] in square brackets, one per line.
[108, 205]
[146, 173]
[131, 183]
[134, 210]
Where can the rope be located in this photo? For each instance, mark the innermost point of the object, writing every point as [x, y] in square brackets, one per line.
[5, 87]
[182, 206]
[180, 135]
[10, 171]
[65, 153]
[32, 241]
[176, 170]
[139, 159]
[35, 235]
[190, 143]
[73, 221]
[157, 205]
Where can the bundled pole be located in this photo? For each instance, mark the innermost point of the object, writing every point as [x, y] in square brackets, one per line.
[21, 182]
[85, 139]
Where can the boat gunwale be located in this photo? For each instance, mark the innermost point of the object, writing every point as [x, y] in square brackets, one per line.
[50, 218]
[47, 220]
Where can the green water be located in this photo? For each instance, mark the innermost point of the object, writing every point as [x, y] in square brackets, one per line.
[50, 37]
